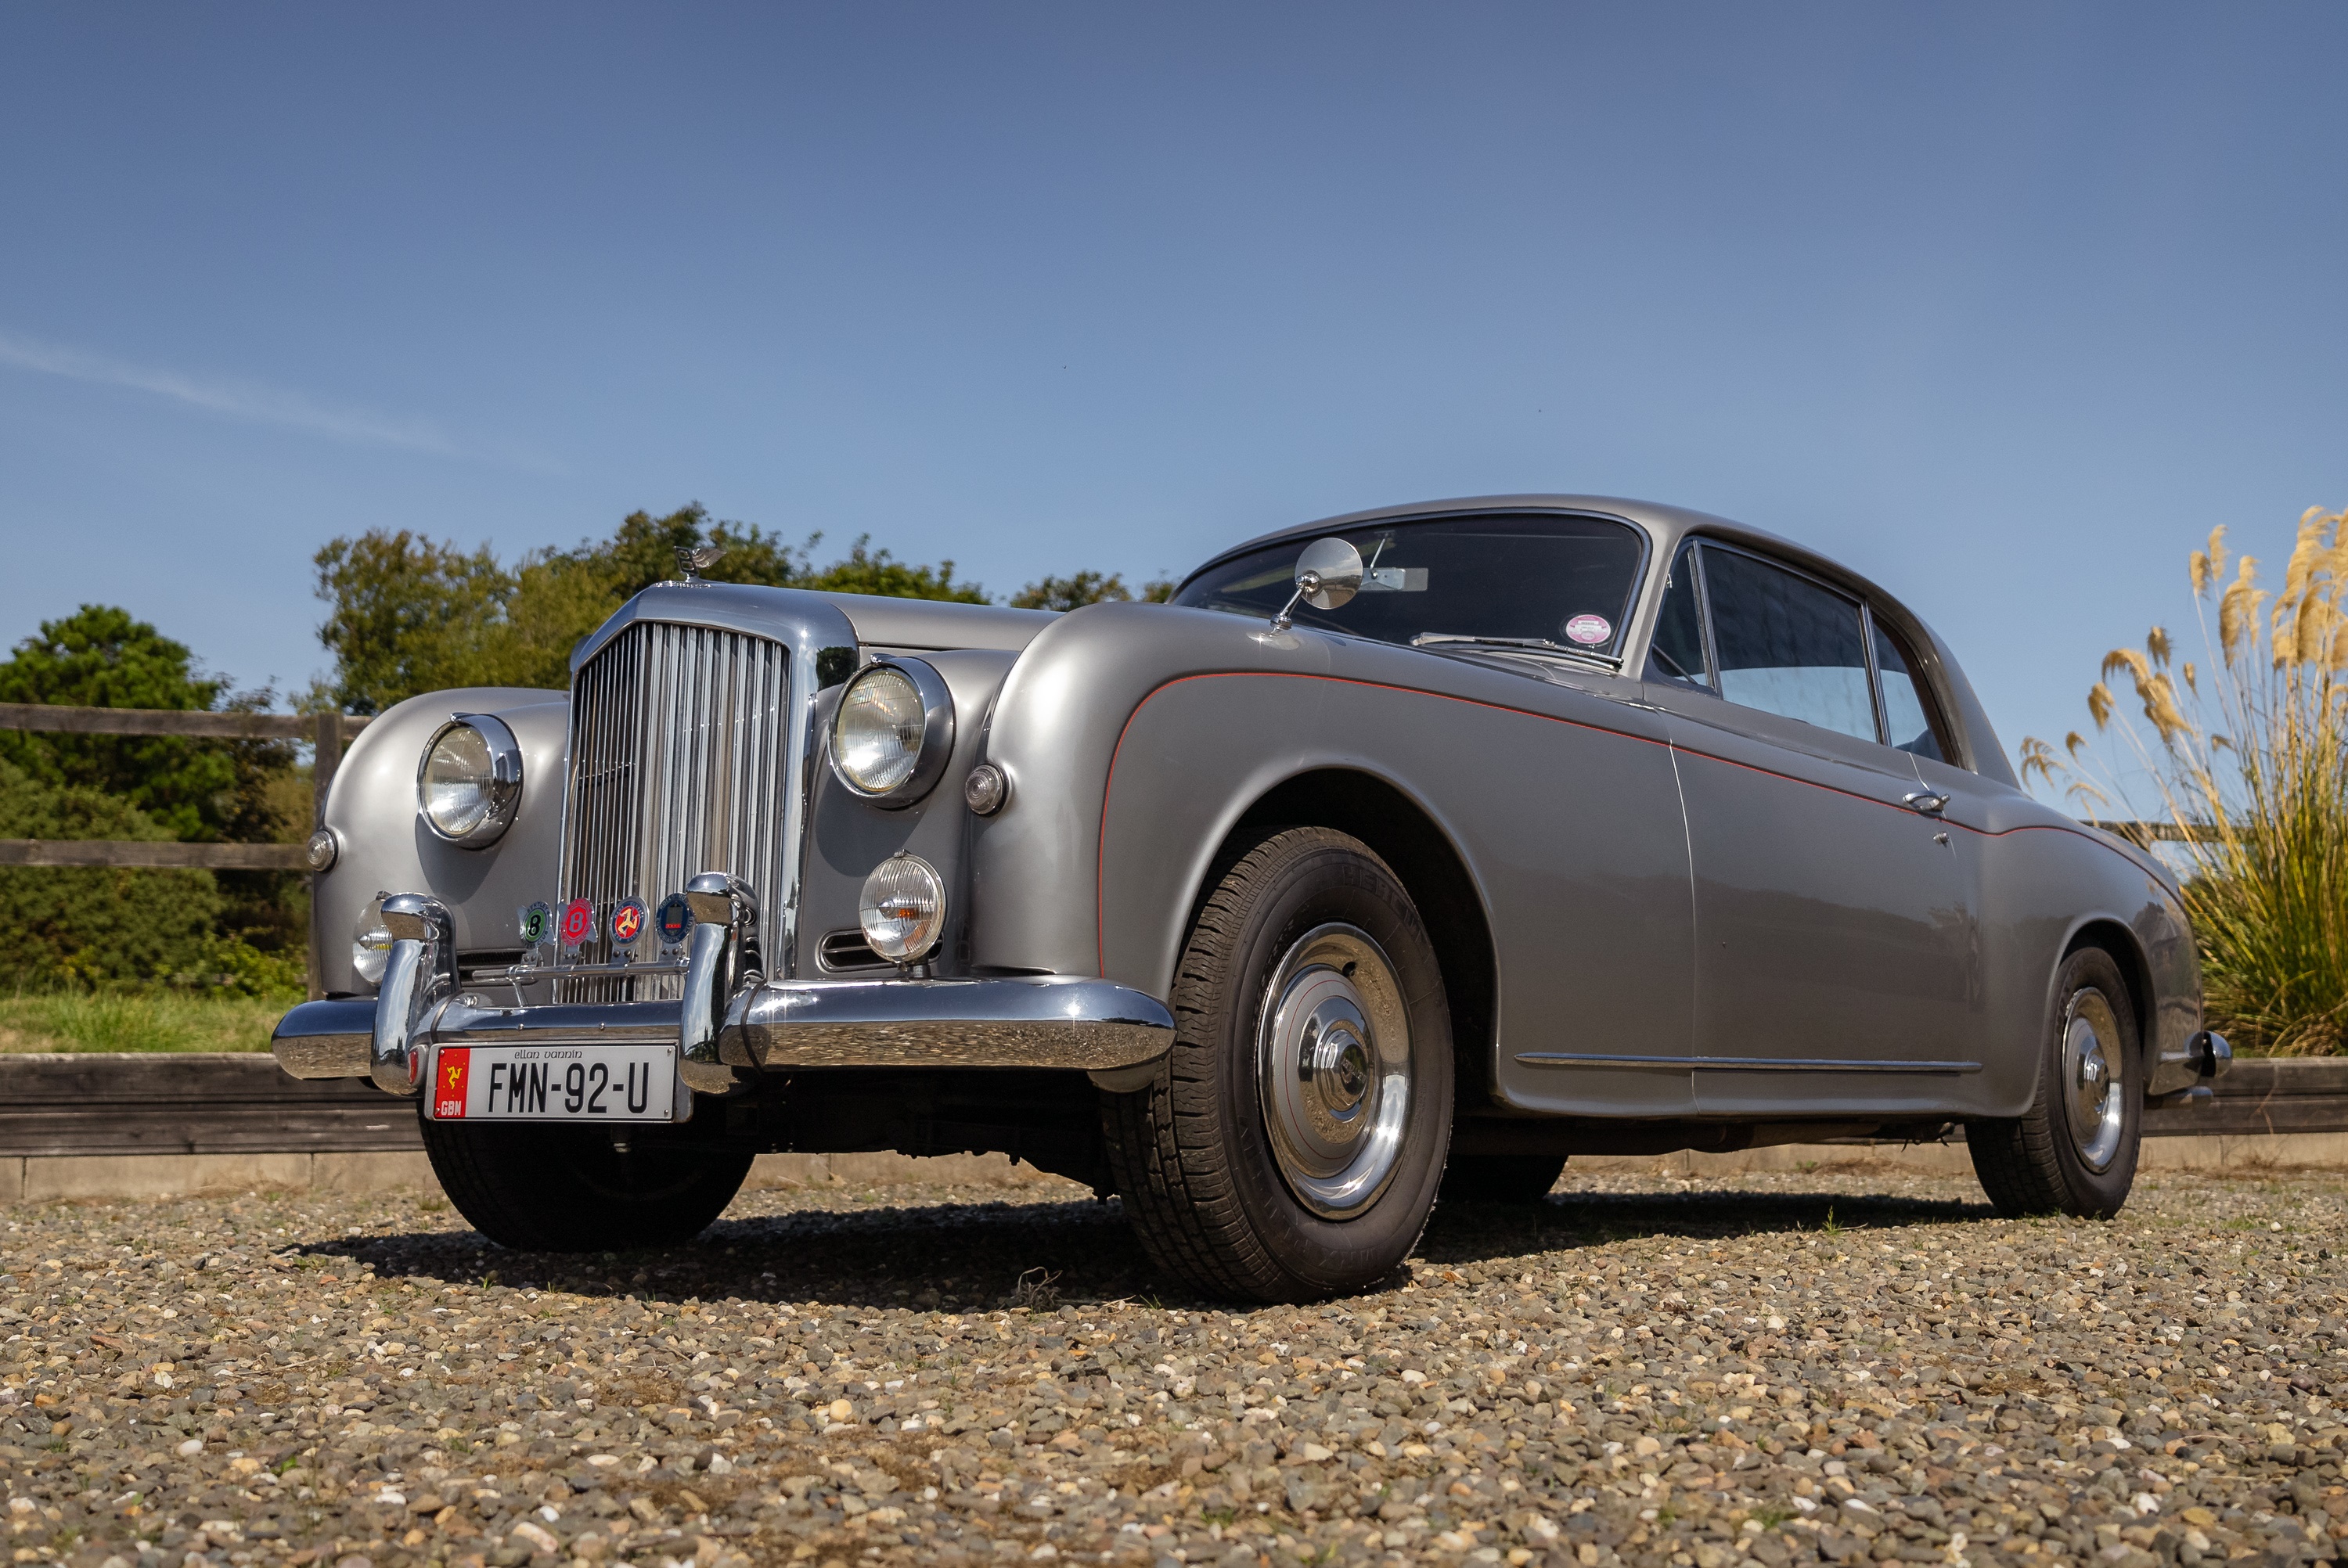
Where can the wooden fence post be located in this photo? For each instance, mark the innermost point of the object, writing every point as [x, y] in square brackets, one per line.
[328, 758]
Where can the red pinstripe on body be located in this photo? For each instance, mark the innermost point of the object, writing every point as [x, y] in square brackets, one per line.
[1100, 854]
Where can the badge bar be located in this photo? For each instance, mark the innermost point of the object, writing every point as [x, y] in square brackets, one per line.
[571, 925]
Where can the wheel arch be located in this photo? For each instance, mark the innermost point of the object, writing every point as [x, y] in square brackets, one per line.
[1403, 833]
[2114, 937]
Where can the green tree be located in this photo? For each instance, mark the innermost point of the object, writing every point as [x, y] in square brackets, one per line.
[643, 551]
[559, 596]
[406, 615]
[867, 571]
[100, 657]
[409, 614]
[1089, 587]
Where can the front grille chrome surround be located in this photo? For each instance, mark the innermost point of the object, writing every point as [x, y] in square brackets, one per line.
[684, 759]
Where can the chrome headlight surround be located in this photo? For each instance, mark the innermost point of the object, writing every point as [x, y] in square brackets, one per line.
[476, 752]
[869, 765]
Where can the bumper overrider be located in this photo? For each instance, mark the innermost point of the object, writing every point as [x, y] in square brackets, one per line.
[731, 1022]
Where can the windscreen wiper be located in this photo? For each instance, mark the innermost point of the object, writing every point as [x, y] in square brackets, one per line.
[1525, 644]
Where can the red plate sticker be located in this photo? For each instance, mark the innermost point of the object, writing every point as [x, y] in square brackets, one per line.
[1588, 629]
[578, 923]
[448, 1083]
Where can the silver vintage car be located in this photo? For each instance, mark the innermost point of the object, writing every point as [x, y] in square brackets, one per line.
[1407, 853]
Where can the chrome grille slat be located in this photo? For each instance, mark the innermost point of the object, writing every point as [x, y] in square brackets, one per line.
[673, 732]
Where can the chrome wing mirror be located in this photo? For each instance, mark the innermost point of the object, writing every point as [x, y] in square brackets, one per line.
[1328, 574]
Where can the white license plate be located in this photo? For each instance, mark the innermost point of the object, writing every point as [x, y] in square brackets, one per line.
[553, 1083]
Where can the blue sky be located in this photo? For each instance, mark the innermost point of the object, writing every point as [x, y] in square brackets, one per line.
[2006, 305]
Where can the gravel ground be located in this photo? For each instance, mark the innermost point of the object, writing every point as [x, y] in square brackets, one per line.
[1851, 1366]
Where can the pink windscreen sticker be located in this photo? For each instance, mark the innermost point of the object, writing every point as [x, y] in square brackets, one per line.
[1589, 629]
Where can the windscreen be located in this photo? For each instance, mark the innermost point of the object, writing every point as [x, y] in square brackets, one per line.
[1562, 580]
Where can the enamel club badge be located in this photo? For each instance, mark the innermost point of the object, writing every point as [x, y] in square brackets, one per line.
[628, 917]
[578, 923]
[673, 921]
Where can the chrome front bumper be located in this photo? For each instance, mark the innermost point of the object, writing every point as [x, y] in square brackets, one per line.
[1044, 1021]
[1039, 1021]
[729, 1023]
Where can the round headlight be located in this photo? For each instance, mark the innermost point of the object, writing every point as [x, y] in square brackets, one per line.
[893, 731]
[469, 780]
[371, 942]
[903, 909]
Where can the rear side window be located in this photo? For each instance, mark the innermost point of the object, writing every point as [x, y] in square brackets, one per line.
[1788, 645]
[1907, 714]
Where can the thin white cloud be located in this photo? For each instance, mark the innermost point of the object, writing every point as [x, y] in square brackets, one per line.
[245, 400]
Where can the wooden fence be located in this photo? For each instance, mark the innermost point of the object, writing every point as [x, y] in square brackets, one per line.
[328, 732]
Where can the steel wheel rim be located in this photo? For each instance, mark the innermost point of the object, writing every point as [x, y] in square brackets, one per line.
[1333, 1070]
[2095, 1103]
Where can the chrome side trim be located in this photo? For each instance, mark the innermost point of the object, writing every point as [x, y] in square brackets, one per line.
[1741, 1063]
[326, 1039]
[1045, 1021]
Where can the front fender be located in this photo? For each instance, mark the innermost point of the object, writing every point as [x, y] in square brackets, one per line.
[1036, 885]
[384, 847]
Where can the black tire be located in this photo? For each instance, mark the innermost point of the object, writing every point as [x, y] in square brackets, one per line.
[1192, 1155]
[1501, 1178]
[2040, 1162]
[551, 1188]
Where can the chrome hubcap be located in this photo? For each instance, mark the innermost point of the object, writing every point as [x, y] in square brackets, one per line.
[2093, 1100]
[1333, 1068]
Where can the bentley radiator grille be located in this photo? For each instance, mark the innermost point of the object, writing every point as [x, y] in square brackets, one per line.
[677, 735]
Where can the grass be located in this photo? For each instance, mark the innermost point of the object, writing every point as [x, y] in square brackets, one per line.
[2249, 755]
[118, 1022]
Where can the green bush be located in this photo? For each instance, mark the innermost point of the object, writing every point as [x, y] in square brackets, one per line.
[238, 969]
[97, 925]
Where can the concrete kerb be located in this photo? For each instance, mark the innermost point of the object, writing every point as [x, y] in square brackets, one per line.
[39, 1179]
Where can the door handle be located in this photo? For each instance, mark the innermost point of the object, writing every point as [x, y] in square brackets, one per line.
[1928, 803]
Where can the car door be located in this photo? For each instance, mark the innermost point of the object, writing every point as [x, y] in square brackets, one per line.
[1831, 937]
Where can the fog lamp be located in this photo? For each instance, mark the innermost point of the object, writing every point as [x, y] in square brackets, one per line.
[903, 910]
[371, 942]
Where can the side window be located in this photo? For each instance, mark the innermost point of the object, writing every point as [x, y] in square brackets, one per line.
[1788, 645]
[1906, 713]
[1676, 654]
